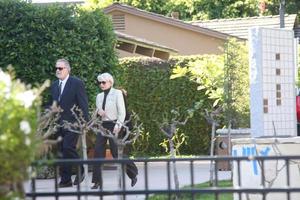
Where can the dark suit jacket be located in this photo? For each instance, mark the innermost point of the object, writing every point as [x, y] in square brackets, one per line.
[73, 94]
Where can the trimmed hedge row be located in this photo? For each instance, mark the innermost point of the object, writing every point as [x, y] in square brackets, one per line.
[152, 94]
[33, 37]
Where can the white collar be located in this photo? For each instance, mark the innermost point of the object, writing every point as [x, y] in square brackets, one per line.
[63, 82]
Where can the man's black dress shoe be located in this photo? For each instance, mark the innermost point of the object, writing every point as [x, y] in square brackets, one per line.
[133, 181]
[81, 179]
[96, 186]
[65, 184]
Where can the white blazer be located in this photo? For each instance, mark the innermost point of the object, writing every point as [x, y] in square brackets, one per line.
[114, 106]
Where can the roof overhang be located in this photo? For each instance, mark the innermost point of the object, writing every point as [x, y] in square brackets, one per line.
[135, 45]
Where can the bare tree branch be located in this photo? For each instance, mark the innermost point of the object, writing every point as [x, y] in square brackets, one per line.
[47, 127]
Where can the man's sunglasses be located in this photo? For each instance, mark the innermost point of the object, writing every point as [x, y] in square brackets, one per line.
[60, 68]
[101, 82]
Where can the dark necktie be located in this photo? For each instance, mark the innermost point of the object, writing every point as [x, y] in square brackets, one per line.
[59, 90]
[104, 100]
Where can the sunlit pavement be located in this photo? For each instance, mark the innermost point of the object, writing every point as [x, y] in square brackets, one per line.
[157, 179]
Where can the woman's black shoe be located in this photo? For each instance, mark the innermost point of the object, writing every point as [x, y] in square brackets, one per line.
[76, 182]
[65, 184]
[133, 181]
[96, 186]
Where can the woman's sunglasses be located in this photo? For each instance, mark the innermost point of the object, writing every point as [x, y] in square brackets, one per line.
[60, 68]
[101, 82]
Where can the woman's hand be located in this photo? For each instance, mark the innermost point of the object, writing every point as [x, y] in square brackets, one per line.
[116, 130]
[101, 113]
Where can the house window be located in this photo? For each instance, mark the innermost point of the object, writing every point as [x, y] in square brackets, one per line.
[118, 21]
[277, 72]
[277, 56]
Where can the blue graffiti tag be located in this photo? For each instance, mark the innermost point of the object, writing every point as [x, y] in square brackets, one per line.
[251, 151]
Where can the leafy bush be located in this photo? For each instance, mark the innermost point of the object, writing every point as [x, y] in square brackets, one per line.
[236, 85]
[18, 120]
[225, 80]
[152, 94]
[33, 37]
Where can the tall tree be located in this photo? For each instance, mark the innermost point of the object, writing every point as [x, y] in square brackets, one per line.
[291, 6]
[206, 9]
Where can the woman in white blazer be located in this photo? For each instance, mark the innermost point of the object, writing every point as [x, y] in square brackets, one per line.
[111, 108]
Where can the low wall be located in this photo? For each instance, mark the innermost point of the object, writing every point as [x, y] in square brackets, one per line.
[275, 171]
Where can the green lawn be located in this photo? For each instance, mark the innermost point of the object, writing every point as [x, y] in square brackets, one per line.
[224, 196]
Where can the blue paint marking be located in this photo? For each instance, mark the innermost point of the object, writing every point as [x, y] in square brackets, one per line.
[251, 151]
[254, 162]
[265, 152]
[234, 153]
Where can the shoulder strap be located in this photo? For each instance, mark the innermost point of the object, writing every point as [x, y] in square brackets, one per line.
[125, 100]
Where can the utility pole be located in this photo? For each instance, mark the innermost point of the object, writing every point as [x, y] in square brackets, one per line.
[281, 13]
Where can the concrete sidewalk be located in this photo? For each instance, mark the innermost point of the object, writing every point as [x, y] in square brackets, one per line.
[157, 179]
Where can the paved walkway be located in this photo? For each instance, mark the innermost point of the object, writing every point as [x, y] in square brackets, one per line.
[157, 179]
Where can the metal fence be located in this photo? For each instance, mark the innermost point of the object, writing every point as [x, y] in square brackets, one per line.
[279, 175]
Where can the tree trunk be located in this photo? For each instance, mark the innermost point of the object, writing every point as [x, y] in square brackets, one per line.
[85, 157]
[173, 155]
[229, 149]
[212, 145]
[119, 168]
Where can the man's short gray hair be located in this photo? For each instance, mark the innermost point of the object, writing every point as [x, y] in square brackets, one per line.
[106, 77]
[66, 63]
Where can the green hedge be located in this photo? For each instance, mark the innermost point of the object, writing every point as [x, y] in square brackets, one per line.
[152, 94]
[33, 37]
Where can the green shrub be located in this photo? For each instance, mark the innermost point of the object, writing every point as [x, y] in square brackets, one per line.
[236, 84]
[18, 121]
[33, 37]
[152, 94]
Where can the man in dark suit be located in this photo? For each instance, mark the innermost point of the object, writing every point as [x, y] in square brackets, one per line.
[68, 91]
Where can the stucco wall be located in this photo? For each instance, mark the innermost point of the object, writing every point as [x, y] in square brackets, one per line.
[187, 42]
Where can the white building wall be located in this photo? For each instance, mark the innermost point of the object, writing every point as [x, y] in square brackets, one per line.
[272, 82]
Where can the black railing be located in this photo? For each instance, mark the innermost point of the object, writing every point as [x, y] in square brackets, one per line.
[156, 177]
